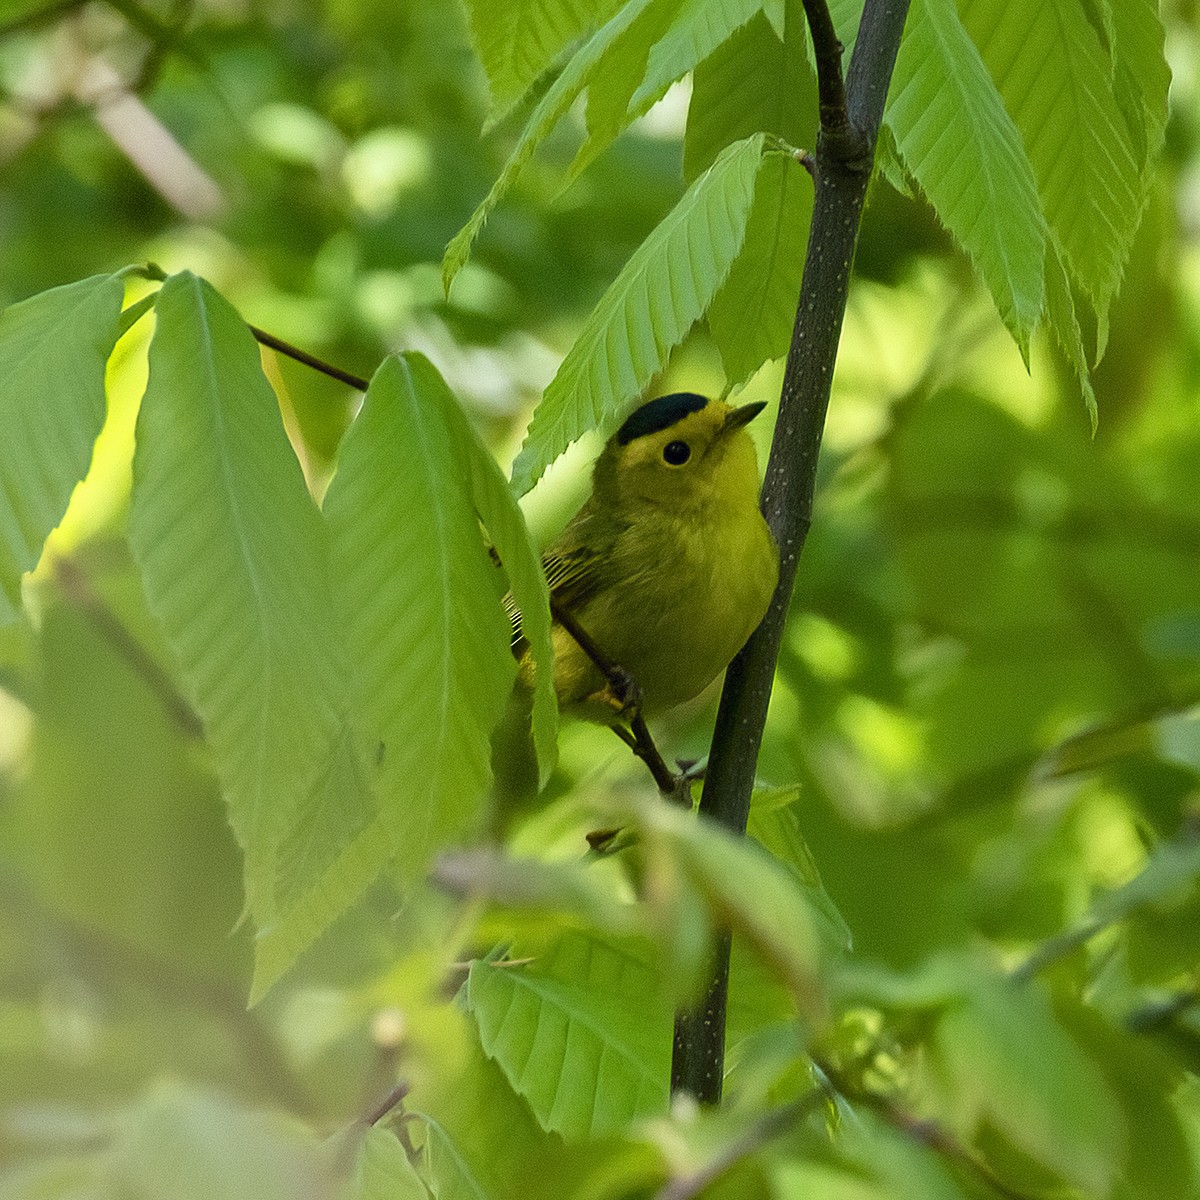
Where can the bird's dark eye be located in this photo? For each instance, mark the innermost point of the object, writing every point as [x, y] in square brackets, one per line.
[676, 453]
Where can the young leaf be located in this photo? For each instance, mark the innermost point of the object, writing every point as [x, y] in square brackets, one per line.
[1049, 64]
[663, 290]
[667, 43]
[552, 107]
[960, 145]
[53, 350]
[751, 317]
[383, 1170]
[736, 92]
[751, 893]
[234, 566]
[581, 1036]
[516, 41]
[698, 28]
[420, 606]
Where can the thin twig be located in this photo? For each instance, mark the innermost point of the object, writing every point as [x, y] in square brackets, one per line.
[624, 688]
[393, 1099]
[309, 360]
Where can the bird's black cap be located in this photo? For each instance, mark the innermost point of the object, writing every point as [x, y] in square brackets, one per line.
[659, 414]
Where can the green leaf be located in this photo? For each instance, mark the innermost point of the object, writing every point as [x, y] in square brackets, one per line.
[960, 145]
[663, 290]
[1142, 77]
[1054, 75]
[516, 41]
[552, 107]
[420, 605]
[429, 641]
[1064, 323]
[752, 315]
[615, 79]
[1007, 1061]
[776, 827]
[234, 565]
[53, 351]
[570, 889]
[501, 516]
[453, 1177]
[383, 1170]
[736, 91]
[748, 891]
[584, 1036]
[698, 28]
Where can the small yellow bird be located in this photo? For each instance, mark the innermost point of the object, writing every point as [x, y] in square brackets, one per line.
[669, 566]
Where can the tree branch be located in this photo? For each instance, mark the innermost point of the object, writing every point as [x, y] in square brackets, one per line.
[845, 150]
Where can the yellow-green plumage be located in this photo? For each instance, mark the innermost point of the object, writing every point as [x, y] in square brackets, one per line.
[669, 566]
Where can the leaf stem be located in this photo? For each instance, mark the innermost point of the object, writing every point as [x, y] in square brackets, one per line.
[309, 360]
[845, 150]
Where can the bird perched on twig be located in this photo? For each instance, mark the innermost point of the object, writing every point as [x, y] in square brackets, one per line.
[668, 567]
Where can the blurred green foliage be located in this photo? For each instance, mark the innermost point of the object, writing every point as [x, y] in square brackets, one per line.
[988, 697]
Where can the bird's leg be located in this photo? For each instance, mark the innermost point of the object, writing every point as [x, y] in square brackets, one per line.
[626, 697]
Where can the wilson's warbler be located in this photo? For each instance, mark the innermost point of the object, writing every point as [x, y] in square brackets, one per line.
[669, 566]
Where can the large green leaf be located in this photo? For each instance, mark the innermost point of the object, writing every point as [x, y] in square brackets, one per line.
[584, 1036]
[420, 606]
[552, 107]
[429, 642]
[961, 146]
[53, 350]
[736, 92]
[752, 315]
[234, 565]
[516, 41]
[1056, 79]
[663, 290]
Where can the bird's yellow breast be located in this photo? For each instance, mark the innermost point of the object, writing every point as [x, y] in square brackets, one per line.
[684, 592]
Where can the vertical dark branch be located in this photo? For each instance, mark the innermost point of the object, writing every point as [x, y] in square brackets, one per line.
[845, 151]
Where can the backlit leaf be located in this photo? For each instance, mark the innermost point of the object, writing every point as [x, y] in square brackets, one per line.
[53, 350]
[1052, 70]
[960, 145]
[752, 315]
[420, 605]
[735, 91]
[552, 107]
[234, 565]
[516, 41]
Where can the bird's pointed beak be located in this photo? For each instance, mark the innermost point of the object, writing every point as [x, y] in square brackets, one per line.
[742, 415]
